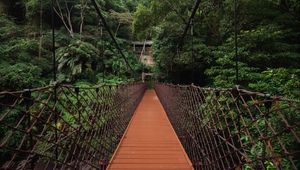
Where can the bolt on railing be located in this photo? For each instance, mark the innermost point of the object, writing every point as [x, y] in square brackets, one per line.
[234, 128]
[80, 129]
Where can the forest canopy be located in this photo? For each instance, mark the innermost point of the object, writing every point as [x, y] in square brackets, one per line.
[267, 33]
[84, 50]
[247, 52]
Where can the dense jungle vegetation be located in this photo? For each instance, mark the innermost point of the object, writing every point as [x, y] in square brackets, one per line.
[268, 42]
[268, 35]
[85, 52]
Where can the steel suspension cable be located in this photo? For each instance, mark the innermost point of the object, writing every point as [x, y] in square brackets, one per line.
[181, 40]
[196, 6]
[111, 35]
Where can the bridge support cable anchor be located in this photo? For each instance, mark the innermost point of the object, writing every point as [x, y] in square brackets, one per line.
[235, 91]
[55, 120]
[268, 105]
[28, 103]
[78, 105]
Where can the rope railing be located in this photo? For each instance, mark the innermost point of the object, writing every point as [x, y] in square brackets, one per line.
[80, 129]
[234, 128]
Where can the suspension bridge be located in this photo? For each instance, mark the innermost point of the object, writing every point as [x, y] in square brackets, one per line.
[128, 126]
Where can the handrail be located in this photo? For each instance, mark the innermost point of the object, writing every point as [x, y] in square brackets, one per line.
[233, 128]
[237, 88]
[76, 127]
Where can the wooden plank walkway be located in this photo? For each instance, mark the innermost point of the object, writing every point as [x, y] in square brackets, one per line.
[150, 141]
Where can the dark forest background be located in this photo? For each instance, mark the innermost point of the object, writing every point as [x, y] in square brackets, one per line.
[268, 43]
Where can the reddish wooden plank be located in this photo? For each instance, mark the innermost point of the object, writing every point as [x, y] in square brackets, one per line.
[142, 156]
[150, 141]
[151, 166]
[178, 160]
[177, 149]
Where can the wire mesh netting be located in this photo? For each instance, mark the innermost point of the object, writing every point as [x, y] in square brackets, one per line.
[234, 128]
[64, 127]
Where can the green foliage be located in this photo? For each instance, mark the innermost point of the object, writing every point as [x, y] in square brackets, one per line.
[279, 82]
[76, 58]
[263, 53]
[22, 49]
[268, 49]
[32, 8]
[112, 79]
[8, 29]
[20, 65]
[142, 20]
[78, 54]
[11, 120]
[266, 39]
[268, 57]
[18, 76]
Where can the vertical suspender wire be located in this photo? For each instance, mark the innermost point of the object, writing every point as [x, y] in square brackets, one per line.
[193, 57]
[102, 50]
[237, 63]
[102, 54]
[236, 44]
[54, 78]
[41, 29]
[53, 43]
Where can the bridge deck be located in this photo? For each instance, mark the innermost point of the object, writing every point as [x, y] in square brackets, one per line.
[150, 141]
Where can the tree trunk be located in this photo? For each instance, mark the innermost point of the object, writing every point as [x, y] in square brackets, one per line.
[285, 4]
[65, 16]
[2, 7]
[82, 11]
